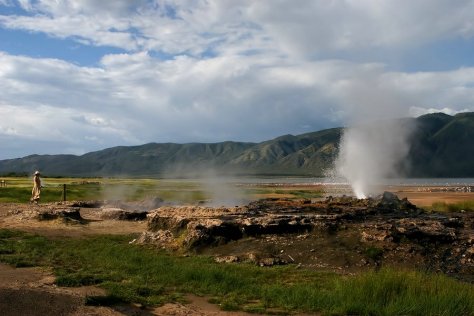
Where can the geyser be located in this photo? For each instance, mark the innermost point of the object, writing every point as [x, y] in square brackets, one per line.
[371, 153]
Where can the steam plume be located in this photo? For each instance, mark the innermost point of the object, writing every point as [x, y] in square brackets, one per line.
[370, 153]
[374, 145]
[219, 188]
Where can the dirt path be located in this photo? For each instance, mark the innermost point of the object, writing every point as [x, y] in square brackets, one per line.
[32, 292]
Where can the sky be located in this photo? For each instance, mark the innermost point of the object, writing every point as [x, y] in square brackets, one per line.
[84, 75]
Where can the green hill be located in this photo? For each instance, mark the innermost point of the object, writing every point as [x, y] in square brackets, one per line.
[306, 154]
[441, 146]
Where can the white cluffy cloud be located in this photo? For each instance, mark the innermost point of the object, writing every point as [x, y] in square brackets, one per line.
[307, 28]
[214, 70]
[417, 111]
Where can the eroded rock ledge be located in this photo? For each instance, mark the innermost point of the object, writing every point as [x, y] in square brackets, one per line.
[339, 233]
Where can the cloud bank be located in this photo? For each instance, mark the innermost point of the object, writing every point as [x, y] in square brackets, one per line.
[209, 71]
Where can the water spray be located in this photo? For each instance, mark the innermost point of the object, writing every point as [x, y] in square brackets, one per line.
[371, 153]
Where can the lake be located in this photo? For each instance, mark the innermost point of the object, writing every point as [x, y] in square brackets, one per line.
[340, 181]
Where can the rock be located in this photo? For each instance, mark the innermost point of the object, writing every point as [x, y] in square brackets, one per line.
[175, 223]
[68, 214]
[269, 262]
[161, 237]
[423, 229]
[454, 222]
[226, 259]
[200, 226]
[120, 214]
[251, 257]
[135, 206]
[333, 231]
[390, 203]
[377, 235]
[86, 204]
[209, 232]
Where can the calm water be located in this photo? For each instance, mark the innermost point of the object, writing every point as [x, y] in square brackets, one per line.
[329, 181]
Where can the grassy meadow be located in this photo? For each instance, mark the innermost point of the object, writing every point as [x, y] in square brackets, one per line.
[18, 190]
[453, 207]
[139, 274]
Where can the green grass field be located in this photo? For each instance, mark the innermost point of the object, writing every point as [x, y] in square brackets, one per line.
[453, 207]
[18, 190]
[138, 274]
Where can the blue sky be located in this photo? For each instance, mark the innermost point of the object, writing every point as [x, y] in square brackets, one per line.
[78, 76]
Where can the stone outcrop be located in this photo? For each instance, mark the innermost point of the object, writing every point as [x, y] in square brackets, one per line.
[84, 211]
[207, 226]
[119, 210]
[48, 212]
[67, 214]
[120, 214]
[338, 232]
[134, 206]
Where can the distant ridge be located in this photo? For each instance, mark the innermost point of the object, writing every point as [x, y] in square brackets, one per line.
[442, 146]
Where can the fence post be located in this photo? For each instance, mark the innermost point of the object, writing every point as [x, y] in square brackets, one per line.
[64, 192]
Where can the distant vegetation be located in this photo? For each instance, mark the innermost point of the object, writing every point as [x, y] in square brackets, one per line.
[14, 174]
[441, 146]
[137, 274]
[18, 190]
[467, 206]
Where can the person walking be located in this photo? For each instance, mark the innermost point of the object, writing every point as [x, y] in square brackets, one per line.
[35, 193]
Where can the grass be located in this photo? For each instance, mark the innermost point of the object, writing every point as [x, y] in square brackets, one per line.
[374, 253]
[388, 292]
[18, 190]
[453, 207]
[138, 274]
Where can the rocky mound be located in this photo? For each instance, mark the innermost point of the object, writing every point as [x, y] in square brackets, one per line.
[128, 211]
[83, 211]
[340, 233]
[48, 212]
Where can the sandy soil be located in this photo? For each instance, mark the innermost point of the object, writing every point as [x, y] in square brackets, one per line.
[424, 199]
[426, 196]
[31, 291]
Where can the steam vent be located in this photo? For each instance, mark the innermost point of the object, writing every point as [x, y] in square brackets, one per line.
[340, 234]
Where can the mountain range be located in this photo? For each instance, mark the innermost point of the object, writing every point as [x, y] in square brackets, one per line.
[440, 146]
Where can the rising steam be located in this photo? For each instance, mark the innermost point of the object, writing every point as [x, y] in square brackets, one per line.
[371, 153]
[218, 185]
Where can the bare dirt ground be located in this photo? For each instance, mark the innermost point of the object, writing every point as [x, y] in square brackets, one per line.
[425, 198]
[31, 291]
